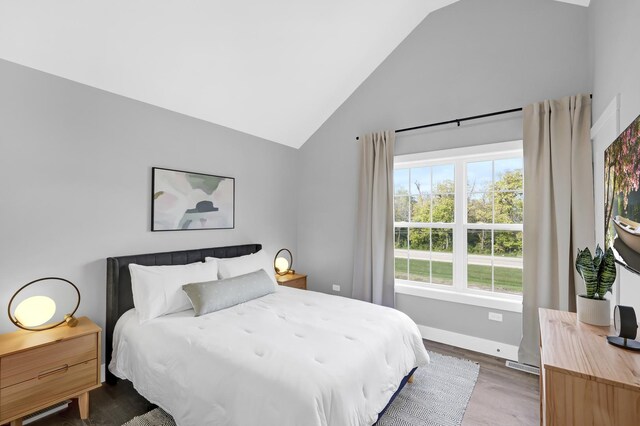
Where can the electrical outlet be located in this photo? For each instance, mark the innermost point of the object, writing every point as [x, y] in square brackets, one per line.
[495, 317]
[336, 287]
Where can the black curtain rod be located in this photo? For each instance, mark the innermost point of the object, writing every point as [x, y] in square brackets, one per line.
[457, 120]
[460, 120]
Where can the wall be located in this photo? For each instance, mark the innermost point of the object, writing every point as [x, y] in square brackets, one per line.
[472, 57]
[75, 167]
[614, 40]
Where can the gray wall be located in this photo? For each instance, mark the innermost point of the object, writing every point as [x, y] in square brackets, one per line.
[439, 314]
[472, 57]
[614, 39]
[75, 167]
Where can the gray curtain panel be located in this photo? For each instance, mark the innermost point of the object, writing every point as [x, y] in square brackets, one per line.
[373, 265]
[558, 209]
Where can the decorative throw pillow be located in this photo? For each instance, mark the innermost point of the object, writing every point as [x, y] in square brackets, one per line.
[157, 290]
[235, 266]
[212, 296]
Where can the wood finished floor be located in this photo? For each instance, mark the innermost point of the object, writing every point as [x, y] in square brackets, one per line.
[502, 397]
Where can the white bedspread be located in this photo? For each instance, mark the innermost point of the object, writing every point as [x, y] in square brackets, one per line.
[291, 358]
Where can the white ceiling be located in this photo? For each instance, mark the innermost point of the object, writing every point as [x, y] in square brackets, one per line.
[276, 69]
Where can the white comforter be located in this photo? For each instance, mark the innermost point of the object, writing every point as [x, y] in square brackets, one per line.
[292, 358]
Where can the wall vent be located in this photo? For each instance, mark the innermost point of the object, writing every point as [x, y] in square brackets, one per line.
[523, 367]
[46, 412]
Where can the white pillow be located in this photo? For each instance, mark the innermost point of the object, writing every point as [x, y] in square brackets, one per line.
[236, 266]
[157, 290]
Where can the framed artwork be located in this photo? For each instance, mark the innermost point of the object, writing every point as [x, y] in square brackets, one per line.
[622, 196]
[184, 201]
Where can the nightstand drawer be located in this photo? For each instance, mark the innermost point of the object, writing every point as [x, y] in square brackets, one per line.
[30, 364]
[300, 283]
[48, 388]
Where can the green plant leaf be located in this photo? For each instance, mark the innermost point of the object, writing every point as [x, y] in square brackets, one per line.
[586, 269]
[597, 260]
[606, 274]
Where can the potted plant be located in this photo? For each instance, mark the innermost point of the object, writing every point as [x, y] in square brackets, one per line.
[598, 273]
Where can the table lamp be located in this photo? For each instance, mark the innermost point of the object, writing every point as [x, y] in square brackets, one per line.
[34, 312]
[281, 264]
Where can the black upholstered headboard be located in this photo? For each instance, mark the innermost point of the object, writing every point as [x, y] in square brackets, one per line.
[119, 295]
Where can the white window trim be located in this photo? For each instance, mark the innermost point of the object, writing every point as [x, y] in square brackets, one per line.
[459, 292]
[467, 297]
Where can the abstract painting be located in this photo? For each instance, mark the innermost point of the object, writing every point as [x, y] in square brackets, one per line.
[188, 201]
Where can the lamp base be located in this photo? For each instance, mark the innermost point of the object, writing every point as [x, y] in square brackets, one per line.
[70, 320]
[621, 342]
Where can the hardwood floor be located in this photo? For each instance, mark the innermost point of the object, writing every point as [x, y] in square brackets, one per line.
[502, 396]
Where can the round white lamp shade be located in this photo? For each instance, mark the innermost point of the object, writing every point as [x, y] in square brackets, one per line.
[35, 311]
[282, 265]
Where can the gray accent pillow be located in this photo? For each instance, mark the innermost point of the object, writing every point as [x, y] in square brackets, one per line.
[211, 296]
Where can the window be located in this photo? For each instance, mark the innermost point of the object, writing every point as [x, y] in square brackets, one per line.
[424, 219]
[458, 219]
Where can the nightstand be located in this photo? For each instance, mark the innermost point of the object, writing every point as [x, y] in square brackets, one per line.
[293, 280]
[41, 368]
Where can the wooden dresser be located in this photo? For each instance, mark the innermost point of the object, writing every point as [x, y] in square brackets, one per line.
[583, 379]
[41, 368]
[293, 280]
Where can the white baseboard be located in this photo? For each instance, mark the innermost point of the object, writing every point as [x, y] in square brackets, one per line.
[476, 344]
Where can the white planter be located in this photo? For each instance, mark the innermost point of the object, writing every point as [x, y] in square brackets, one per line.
[593, 311]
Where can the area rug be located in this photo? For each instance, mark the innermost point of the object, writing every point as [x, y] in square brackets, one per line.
[438, 396]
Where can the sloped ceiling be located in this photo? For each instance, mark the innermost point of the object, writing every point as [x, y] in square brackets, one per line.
[275, 69]
[584, 3]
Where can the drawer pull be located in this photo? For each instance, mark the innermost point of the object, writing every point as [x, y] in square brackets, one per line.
[62, 369]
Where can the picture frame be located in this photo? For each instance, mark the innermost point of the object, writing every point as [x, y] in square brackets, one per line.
[188, 201]
[622, 197]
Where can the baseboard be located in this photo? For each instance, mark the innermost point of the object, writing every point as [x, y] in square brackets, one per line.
[476, 344]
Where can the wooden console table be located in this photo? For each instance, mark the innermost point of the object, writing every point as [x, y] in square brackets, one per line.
[583, 379]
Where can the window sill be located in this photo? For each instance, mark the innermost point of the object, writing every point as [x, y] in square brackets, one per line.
[510, 304]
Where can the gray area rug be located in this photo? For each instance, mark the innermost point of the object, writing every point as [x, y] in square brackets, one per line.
[438, 396]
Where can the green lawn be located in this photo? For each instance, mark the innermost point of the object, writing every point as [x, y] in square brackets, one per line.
[419, 271]
[507, 280]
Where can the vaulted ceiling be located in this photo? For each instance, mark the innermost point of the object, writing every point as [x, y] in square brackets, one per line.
[275, 69]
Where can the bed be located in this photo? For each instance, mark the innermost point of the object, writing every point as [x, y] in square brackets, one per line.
[292, 357]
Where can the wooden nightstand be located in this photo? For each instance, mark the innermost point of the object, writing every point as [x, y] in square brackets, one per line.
[293, 280]
[41, 368]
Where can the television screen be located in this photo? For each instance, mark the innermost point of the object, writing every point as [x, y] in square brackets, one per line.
[622, 196]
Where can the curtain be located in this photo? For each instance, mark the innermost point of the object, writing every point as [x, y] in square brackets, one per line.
[373, 275]
[558, 209]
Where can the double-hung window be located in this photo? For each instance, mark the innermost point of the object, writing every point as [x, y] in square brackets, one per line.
[458, 219]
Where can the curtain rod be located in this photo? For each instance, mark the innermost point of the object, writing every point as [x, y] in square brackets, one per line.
[459, 120]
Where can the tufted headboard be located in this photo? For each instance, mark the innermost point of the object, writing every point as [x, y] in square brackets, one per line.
[120, 297]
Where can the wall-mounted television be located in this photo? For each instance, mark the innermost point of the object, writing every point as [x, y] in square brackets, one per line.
[622, 196]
